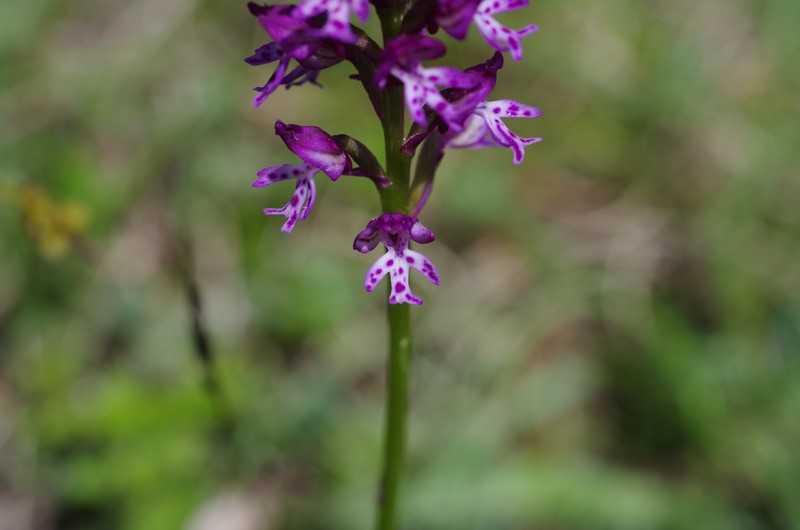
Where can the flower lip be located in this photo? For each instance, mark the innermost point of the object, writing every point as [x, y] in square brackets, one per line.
[304, 196]
[395, 230]
[316, 147]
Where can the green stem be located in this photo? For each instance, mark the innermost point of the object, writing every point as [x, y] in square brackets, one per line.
[395, 198]
[398, 375]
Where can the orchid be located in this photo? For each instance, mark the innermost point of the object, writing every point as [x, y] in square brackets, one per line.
[455, 16]
[273, 52]
[293, 38]
[320, 153]
[450, 108]
[485, 128]
[401, 59]
[497, 35]
[395, 230]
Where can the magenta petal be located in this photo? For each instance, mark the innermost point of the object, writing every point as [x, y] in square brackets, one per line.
[455, 16]
[314, 146]
[265, 54]
[367, 239]
[273, 83]
[420, 234]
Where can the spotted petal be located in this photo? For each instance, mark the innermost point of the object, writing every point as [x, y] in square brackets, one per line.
[507, 108]
[395, 230]
[303, 198]
[337, 24]
[497, 35]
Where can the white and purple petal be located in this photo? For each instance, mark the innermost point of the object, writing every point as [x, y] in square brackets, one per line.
[485, 128]
[396, 267]
[493, 111]
[421, 262]
[337, 24]
[497, 35]
[395, 230]
[303, 198]
[420, 89]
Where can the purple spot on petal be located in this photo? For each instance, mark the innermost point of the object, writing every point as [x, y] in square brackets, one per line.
[390, 262]
[400, 287]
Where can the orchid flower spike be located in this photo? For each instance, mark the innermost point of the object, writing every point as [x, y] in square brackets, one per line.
[395, 230]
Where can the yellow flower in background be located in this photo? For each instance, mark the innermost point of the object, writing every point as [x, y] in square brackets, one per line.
[52, 225]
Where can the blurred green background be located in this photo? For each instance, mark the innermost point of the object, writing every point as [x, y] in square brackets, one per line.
[615, 343]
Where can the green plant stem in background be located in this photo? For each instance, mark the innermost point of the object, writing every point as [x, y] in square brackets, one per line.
[395, 198]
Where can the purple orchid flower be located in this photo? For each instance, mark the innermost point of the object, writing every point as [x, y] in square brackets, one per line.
[294, 38]
[462, 100]
[401, 59]
[395, 230]
[484, 128]
[337, 24]
[320, 153]
[454, 16]
[274, 52]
